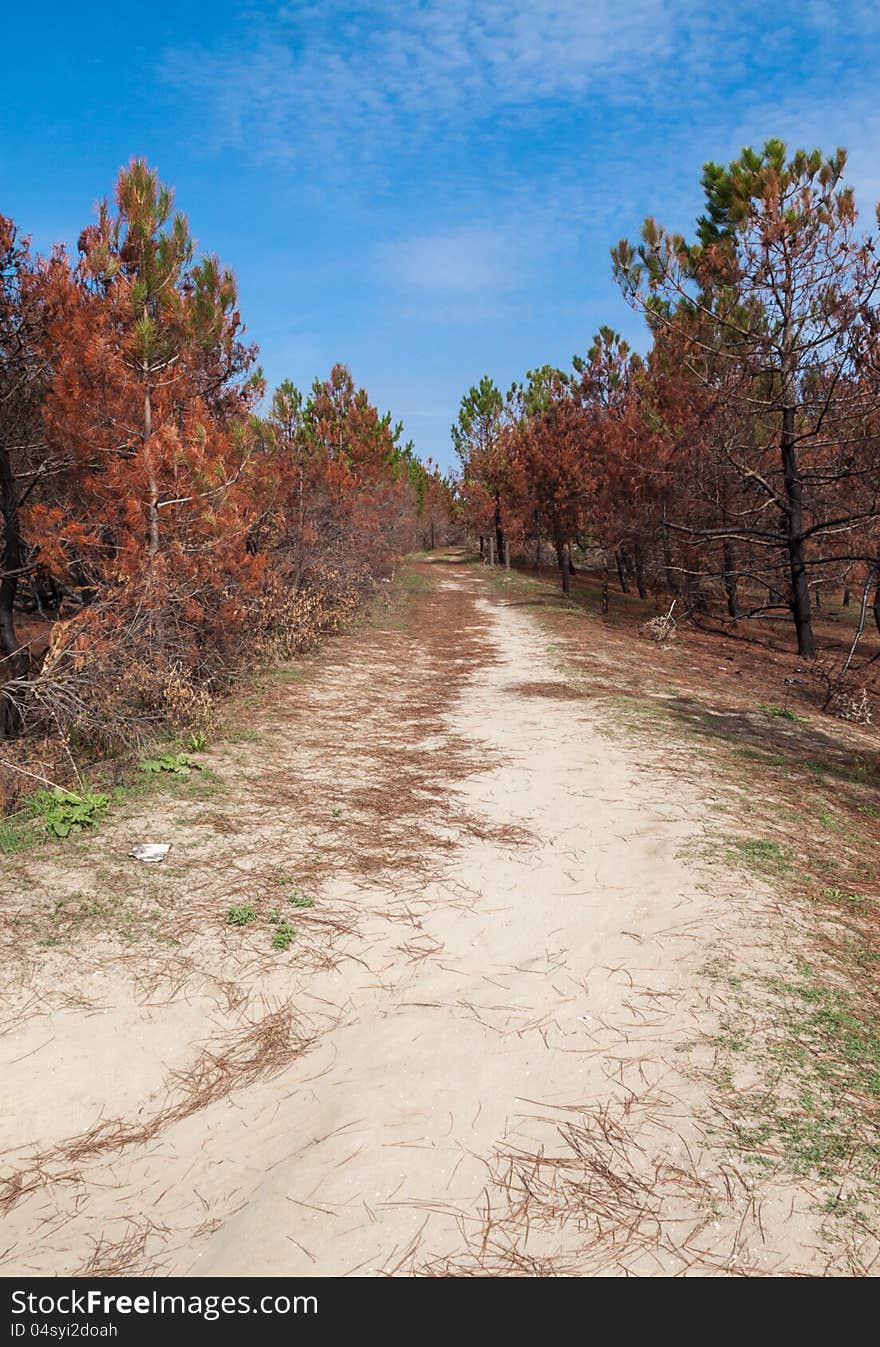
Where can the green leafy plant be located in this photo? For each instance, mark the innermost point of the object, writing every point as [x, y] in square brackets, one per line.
[782, 713]
[61, 811]
[241, 915]
[198, 742]
[177, 764]
[284, 936]
[296, 895]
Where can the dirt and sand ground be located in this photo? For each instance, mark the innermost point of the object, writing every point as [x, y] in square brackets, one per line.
[488, 1049]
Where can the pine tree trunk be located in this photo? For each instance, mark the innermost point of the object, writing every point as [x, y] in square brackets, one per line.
[507, 554]
[673, 583]
[301, 518]
[794, 518]
[640, 571]
[621, 571]
[152, 482]
[566, 570]
[731, 580]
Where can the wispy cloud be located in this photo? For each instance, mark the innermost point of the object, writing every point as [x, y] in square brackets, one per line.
[345, 81]
[355, 95]
[472, 261]
[468, 163]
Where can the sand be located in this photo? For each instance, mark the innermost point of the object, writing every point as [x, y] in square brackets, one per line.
[502, 1069]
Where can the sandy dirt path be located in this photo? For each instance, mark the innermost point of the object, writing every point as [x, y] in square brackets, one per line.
[488, 1059]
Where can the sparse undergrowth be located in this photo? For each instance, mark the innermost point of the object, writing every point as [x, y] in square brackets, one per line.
[51, 813]
[283, 931]
[799, 792]
[820, 1050]
[178, 764]
[790, 1120]
[57, 813]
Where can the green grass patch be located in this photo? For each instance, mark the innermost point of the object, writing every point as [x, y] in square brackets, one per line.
[202, 783]
[74, 914]
[237, 734]
[821, 1118]
[830, 1047]
[412, 581]
[16, 835]
[760, 854]
[855, 902]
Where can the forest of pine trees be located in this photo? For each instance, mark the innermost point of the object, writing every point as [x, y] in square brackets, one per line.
[167, 523]
[734, 467]
[160, 532]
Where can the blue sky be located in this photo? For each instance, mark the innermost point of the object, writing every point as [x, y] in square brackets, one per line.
[428, 191]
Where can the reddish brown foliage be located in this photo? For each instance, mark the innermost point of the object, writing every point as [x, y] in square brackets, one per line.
[179, 529]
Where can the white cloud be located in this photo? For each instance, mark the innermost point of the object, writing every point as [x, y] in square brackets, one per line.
[340, 78]
[375, 95]
[476, 261]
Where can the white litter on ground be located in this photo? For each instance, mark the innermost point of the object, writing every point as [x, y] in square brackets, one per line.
[150, 852]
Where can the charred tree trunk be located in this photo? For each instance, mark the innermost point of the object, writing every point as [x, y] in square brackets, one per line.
[695, 598]
[566, 570]
[506, 554]
[152, 480]
[640, 570]
[620, 559]
[794, 520]
[672, 580]
[499, 532]
[731, 580]
[846, 598]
